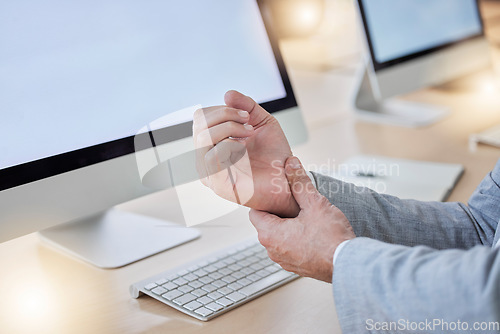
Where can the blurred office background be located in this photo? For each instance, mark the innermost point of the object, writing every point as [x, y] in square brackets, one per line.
[322, 47]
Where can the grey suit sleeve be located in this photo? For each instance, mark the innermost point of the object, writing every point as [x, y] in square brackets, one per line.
[409, 222]
[376, 283]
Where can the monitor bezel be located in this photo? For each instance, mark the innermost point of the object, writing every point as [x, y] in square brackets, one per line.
[32, 171]
[383, 65]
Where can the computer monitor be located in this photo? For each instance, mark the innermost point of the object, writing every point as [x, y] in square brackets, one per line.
[414, 44]
[80, 79]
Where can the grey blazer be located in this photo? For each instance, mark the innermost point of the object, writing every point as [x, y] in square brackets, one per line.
[415, 263]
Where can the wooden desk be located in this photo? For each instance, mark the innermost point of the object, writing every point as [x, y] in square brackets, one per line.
[44, 291]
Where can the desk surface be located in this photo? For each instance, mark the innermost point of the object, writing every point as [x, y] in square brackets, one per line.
[44, 291]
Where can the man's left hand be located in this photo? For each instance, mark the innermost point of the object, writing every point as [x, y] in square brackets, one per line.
[305, 244]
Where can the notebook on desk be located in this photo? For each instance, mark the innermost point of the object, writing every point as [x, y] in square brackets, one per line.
[407, 179]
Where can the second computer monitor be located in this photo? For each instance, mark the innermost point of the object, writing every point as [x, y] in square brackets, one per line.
[414, 44]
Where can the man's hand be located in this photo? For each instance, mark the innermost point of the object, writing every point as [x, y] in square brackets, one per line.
[306, 244]
[241, 153]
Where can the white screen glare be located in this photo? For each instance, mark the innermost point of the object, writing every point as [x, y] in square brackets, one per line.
[79, 73]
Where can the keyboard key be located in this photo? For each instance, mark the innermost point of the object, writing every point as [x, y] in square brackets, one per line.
[257, 266]
[203, 311]
[183, 272]
[264, 283]
[184, 299]
[266, 262]
[161, 281]
[159, 290]
[225, 291]
[226, 271]
[235, 267]
[272, 268]
[180, 281]
[262, 255]
[238, 275]
[247, 271]
[257, 248]
[228, 279]
[193, 268]
[263, 273]
[244, 281]
[224, 301]
[244, 263]
[205, 300]
[210, 269]
[199, 292]
[200, 272]
[215, 275]
[171, 277]
[253, 259]
[235, 286]
[238, 257]
[193, 305]
[236, 296]
[253, 277]
[219, 265]
[219, 283]
[190, 277]
[214, 307]
[185, 288]
[150, 286]
[172, 294]
[170, 286]
[209, 288]
[196, 284]
[248, 252]
[229, 260]
[215, 295]
[206, 279]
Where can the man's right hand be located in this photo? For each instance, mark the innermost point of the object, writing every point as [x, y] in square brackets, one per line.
[241, 155]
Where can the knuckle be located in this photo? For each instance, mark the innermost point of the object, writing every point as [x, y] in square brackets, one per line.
[204, 138]
[322, 200]
[264, 239]
[273, 256]
[198, 116]
[227, 112]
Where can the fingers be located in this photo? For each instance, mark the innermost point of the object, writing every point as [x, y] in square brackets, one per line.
[263, 221]
[208, 117]
[237, 100]
[224, 155]
[206, 139]
[301, 186]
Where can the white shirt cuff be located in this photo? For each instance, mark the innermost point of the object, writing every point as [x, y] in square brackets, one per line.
[312, 179]
[337, 251]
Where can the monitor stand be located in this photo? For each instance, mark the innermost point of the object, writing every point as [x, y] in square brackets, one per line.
[371, 108]
[116, 238]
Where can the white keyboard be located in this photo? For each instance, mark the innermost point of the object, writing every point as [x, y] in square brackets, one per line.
[490, 136]
[217, 283]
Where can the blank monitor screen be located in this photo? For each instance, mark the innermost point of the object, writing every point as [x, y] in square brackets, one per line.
[74, 74]
[397, 29]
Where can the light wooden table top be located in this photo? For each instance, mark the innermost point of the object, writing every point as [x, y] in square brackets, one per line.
[45, 291]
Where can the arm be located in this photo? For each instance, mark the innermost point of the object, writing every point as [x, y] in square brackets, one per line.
[383, 282]
[409, 222]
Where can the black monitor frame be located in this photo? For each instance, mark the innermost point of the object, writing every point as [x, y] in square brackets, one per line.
[382, 65]
[21, 174]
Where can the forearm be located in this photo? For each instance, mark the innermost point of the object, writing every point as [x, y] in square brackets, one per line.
[386, 283]
[405, 222]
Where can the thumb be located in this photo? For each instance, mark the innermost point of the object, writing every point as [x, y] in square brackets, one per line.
[301, 186]
[237, 100]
